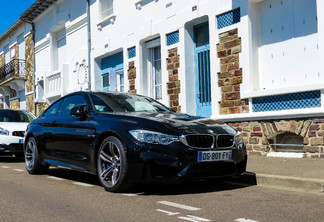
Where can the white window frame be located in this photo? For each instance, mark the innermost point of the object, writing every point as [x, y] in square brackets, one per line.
[21, 46]
[103, 14]
[154, 73]
[120, 84]
[151, 46]
[60, 35]
[106, 18]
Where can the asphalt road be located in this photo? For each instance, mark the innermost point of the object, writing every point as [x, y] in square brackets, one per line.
[65, 195]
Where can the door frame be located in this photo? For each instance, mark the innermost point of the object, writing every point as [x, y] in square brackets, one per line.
[202, 108]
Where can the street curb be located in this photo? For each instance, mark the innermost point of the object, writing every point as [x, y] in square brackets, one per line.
[281, 182]
[294, 183]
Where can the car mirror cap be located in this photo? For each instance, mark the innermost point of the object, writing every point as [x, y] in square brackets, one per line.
[79, 111]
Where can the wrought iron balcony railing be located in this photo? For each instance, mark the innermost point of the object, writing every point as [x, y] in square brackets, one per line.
[14, 68]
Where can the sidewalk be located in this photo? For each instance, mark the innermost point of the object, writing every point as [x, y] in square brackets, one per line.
[305, 174]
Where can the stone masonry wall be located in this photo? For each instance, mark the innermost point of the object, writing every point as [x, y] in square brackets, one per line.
[230, 76]
[30, 103]
[173, 86]
[15, 104]
[40, 107]
[132, 77]
[29, 56]
[258, 136]
[2, 60]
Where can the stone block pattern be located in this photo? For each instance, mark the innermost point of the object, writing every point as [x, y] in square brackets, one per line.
[15, 104]
[40, 107]
[230, 77]
[258, 135]
[2, 60]
[30, 103]
[132, 77]
[173, 86]
[14, 54]
[29, 63]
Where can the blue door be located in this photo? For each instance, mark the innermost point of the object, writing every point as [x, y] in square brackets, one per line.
[202, 64]
[113, 73]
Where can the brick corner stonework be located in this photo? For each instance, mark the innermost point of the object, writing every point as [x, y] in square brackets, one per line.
[132, 77]
[230, 77]
[173, 86]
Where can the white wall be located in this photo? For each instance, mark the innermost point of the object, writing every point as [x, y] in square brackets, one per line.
[133, 26]
[68, 15]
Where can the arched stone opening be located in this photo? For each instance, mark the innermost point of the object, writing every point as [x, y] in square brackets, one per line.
[287, 142]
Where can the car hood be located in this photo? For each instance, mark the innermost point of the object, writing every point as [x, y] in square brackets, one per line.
[14, 126]
[184, 123]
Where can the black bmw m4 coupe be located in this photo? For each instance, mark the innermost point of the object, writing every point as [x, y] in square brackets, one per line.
[129, 139]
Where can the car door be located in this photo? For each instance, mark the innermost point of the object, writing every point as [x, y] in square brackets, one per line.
[71, 136]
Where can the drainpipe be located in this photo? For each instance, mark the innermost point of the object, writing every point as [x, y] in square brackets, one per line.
[33, 31]
[89, 43]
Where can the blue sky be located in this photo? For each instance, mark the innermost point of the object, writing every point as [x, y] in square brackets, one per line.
[11, 11]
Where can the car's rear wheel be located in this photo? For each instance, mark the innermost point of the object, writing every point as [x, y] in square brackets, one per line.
[32, 159]
[112, 165]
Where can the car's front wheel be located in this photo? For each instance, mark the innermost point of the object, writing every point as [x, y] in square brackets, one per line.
[32, 158]
[112, 165]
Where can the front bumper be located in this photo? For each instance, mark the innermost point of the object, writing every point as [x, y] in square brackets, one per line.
[178, 163]
[11, 145]
[12, 148]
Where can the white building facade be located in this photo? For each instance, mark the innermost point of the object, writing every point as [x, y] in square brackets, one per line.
[256, 64]
[61, 49]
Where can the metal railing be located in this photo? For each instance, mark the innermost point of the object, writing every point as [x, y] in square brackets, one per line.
[16, 67]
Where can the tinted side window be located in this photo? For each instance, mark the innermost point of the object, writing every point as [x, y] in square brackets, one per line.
[99, 104]
[54, 109]
[71, 102]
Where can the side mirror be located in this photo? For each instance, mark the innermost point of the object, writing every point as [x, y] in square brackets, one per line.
[79, 111]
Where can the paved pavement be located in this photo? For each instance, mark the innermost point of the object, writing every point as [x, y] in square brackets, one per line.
[306, 174]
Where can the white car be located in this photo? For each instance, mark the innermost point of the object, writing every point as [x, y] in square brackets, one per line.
[13, 124]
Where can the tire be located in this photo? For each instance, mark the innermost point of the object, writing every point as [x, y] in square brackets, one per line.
[112, 165]
[19, 155]
[32, 159]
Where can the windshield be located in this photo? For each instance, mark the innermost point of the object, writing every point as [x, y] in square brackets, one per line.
[105, 102]
[15, 116]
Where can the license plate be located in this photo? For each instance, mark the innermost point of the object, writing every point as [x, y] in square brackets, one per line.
[209, 156]
[21, 141]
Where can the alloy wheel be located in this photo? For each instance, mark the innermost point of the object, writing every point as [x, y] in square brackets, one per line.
[109, 164]
[30, 154]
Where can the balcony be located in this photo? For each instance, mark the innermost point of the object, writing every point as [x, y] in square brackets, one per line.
[15, 69]
[12, 78]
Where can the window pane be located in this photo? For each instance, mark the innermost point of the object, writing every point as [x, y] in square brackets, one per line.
[53, 110]
[130, 103]
[202, 35]
[61, 48]
[71, 102]
[157, 74]
[105, 80]
[121, 82]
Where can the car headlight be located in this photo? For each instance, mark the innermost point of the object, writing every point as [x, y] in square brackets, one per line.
[146, 136]
[238, 138]
[4, 131]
